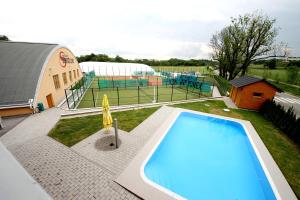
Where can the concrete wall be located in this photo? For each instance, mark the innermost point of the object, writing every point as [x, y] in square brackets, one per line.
[55, 66]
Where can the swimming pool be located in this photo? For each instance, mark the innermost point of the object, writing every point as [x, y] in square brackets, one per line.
[203, 157]
[197, 155]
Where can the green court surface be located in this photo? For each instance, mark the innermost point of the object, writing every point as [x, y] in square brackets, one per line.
[131, 95]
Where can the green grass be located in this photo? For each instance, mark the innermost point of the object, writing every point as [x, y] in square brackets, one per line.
[284, 151]
[278, 74]
[73, 130]
[287, 88]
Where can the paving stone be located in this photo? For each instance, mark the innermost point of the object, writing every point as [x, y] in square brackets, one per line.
[83, 171]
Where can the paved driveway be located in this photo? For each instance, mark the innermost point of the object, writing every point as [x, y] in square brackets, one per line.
[287, 101]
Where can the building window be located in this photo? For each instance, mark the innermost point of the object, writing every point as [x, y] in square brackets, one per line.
[64, 75]
[70, 76]
[56, 81]
[77, 72]
[257, 94]
[74, 74]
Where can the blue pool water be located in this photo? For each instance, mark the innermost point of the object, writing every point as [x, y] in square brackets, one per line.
[203, 157]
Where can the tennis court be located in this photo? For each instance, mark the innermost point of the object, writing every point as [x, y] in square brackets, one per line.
[138, 95]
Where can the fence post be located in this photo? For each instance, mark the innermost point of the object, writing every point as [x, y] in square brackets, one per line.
[112, 78]
[83, 84]
[98, 83]
[138, 94]
[67, 99]
[73, 99]
[172, 93]
[118, 96]
[200, 90]
[125, 78]
[157, 93]
[212, 89]
[93, 97]
[187, 91]
[77, 94]
[80, 89]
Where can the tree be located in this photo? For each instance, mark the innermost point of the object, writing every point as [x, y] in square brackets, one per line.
[271, 64]
[242, 42]
[4, 38]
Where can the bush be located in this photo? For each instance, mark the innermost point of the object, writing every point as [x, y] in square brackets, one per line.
[271, 64]
[292, 74]
[285, 120]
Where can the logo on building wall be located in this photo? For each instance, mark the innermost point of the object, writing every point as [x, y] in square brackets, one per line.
[64, 59]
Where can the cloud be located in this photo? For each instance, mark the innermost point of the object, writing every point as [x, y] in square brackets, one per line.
[138, 28]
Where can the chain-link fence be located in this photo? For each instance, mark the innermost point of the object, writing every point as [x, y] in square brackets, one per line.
[76, 91]
[122, 90]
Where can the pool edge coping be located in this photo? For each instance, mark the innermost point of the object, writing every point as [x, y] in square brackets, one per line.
[135, 181]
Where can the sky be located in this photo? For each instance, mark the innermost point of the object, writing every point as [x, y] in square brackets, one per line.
[158, 29]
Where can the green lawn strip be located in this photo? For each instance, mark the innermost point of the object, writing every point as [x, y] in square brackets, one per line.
[278, 74]
[73, 130]
[284, 151]
[287, 88]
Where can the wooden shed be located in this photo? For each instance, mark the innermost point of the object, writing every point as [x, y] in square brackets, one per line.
[251, 92]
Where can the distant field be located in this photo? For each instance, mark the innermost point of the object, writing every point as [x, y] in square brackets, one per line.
[201, 69]
[278, 74]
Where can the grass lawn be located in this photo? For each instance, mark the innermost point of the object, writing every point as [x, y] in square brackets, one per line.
[278, 74]
[287, 88]
[284, 151]
[73, 130]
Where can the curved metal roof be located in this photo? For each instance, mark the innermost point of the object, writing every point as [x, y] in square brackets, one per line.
[20, 66]
[114, 68]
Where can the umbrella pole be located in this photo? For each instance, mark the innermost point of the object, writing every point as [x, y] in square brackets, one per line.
[116, 132]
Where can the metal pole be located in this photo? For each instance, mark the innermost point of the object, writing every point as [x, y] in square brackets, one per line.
[187, 90]
[118, 96]
[67, 99]
[98, 84]
[73, 98]
[93, 97]
[77, 93]
[156, 89]
[138, 94]
[116, 132]
[172, 93]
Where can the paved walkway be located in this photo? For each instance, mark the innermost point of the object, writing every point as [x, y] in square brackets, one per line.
[33, 126]
[116, 160]
[64, 174]
[10, 122]
[229, 103]
[80, 172]
[215, 92]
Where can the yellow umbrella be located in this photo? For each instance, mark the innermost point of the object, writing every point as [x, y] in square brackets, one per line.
[107, 119]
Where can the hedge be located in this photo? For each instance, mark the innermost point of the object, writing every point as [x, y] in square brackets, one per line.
[285, 120]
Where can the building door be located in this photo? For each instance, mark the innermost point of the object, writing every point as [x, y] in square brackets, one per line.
[50, 100]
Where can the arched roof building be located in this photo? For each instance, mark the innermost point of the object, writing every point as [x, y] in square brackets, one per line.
[32, 73]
